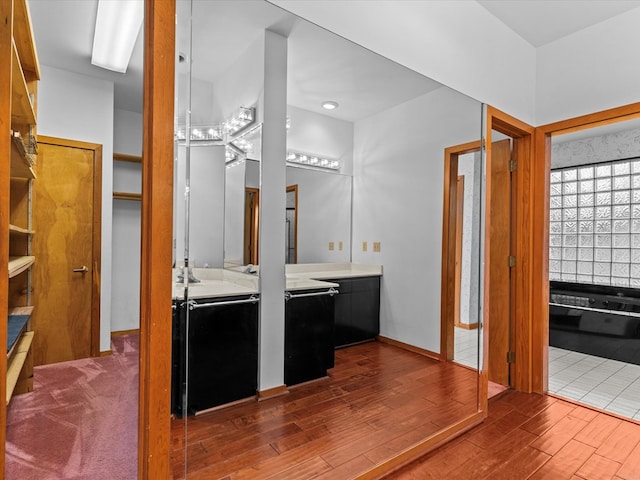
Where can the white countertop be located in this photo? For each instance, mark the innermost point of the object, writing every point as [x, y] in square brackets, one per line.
[321, 271]
[218, 282]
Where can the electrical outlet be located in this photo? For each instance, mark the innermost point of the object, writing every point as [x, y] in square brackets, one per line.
[376, 246]
[364, 246]
[331, 246]
[340, 246]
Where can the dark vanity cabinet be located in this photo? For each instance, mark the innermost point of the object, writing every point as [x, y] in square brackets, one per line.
[357, 313]
[222, 353]
[308, 338]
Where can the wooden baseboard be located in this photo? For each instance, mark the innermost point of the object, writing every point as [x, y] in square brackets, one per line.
[420, 449]
[105, 353]
[467, 326]
[272, 392]
[411, 348]
[125, 332]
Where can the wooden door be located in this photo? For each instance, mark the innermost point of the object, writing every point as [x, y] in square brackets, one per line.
[499, 271]
[251, 221]
[66, 218]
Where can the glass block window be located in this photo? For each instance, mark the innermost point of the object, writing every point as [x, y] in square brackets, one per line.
[595, 224]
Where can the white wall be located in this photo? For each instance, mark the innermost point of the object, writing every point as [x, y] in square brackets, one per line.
[234, 192]
[459, 44]
[592, 70]
[79, 107]
[324, 215]
[206, 206]
[127, 177]
[398, 191]
[321, 135]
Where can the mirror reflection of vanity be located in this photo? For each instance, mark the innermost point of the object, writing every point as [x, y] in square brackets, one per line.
[298, 209]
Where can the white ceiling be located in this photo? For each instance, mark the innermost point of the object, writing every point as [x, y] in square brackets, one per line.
[321, 66]
[543, 21]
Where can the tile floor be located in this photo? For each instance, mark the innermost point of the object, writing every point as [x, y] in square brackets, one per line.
[465, 347]
[602, 383]
[606, 384]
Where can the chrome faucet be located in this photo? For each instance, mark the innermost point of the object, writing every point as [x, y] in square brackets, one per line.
[190, 276]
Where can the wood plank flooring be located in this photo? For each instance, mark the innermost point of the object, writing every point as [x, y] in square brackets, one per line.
[377, 401]
[537, 437]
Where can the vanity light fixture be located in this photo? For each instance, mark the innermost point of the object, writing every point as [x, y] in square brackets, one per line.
[240, 120]
[312, 161]
[118, 24]
[330, 105]
[242, 144]
[200, 133]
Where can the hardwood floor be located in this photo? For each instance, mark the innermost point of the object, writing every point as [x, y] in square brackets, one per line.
[538, 437]
[377, 401]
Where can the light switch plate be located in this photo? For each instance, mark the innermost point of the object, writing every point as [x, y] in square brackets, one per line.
[376, 246]
[340, 246]
[331, 245]
[364, 246]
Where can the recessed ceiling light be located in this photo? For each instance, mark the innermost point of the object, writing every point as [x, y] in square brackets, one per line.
[329, 105]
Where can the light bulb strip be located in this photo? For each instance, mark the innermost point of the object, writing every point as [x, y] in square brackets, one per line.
[312, 160]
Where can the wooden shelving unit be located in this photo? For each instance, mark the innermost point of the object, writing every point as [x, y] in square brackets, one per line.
[20, 230]
[127, 196]
[19, 151]
[17, 265]
[124, 157]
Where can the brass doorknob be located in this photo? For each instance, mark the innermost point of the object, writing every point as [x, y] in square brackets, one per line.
[84, 269]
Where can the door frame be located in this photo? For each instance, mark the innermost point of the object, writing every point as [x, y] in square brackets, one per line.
[449, 239]
[525, 251]
[96, 252]
[154, 407]
[541, 180]
[251, 241]
[294, 188]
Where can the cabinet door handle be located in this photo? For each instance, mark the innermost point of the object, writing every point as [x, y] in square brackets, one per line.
[83, 269]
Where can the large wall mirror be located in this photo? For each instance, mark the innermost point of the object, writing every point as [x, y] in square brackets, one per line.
[362, 184]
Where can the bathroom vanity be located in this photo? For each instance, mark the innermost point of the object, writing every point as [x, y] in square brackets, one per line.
[215, 352]
[357, 307]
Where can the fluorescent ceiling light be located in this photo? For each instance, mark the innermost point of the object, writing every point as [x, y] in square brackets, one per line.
[117, 26]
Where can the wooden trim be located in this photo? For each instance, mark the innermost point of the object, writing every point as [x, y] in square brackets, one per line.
[97, 250]
[66, 142]
[105, 353]
[540, 173]
[119, 333]
[272, 392]
[467, 326]
[6, 35]
[294, 188]
[124, 157]
[448, 293]
[96, 253]
[596, 119]
[127, 196]
[422, 448]
[409, 347]
[458, 249]
[156, 238]
[525, 253]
